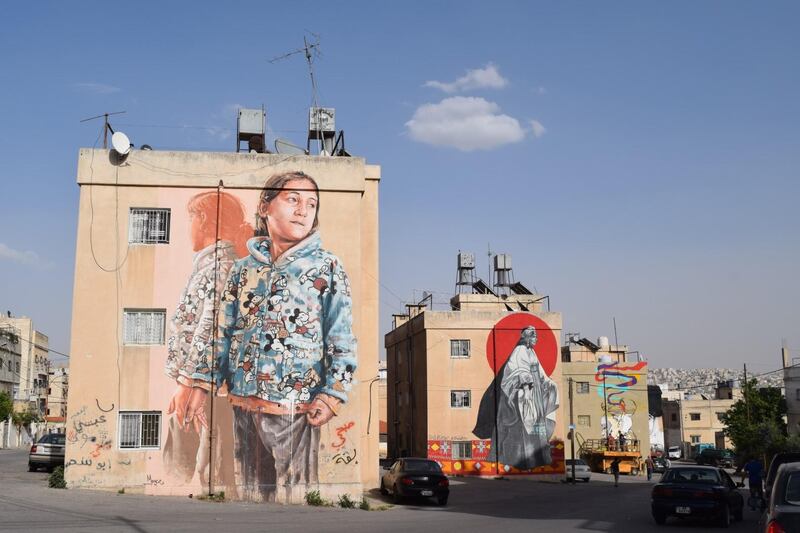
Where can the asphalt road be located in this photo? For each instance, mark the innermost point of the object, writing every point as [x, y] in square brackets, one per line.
[27, 504]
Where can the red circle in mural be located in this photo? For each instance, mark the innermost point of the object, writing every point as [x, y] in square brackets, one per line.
[505, 336]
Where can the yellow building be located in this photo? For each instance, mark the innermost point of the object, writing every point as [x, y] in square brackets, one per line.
[56, 411]
[198, 349]
[31, 390]
[607, 380]
[478, 388]
[693, 420]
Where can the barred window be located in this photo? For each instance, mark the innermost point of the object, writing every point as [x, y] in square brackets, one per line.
[140, 429]
[582, 387]
[148, 226]
[144, 326]
[584, 420]
[462, 449]
[694, 416]
[460, 398]
[459, 348]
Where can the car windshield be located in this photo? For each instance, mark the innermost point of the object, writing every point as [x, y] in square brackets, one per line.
[793, 489]
[419, 465]
[52, 438]
[576, 461]
[691, 475]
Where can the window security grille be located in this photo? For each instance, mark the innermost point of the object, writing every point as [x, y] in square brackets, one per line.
[584, 420]
[462, 450]
[139, 429]
[582, 387]
[144, 326]
[694, 416]
[460, 398]
[459, 348]
[148, 226]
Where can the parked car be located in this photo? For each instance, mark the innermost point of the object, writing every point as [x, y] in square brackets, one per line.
[777, 460]
[715, 457]
[412, 477]
[783, 511]
[697, 491]
[47, 453]
[674, 452]
[660, 464]
[582, 470]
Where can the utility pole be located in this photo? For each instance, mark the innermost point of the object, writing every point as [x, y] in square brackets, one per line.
[744, 392]
[571, 432]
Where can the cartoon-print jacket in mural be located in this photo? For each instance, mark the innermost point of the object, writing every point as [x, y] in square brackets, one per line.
[192, 327]
[285, 330]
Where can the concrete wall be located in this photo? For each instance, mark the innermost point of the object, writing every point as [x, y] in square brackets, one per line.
[110, 275]
[679, 427]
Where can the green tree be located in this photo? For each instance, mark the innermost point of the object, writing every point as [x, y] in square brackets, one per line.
[6, 405]
[25, 418]
[756, 424]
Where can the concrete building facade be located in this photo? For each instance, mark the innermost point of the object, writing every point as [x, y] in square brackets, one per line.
[31, 393]
[791, 387]
[55, 416]
[693, 420]
[10, 359]
[610, 396]
[225, 325]
[478, 388]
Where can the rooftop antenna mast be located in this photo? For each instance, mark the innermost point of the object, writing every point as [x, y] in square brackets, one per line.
[311, 52]
[106, 125]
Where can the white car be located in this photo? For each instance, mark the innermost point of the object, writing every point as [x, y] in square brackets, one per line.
[674, 452]
[582, 471]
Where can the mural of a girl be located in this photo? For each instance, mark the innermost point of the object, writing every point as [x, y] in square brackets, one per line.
[526, 404]
[285, 348]
[214, 215]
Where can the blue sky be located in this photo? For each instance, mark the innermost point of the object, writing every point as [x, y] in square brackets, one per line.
[658, 183]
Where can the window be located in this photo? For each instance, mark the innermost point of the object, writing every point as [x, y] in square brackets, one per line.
[148, 226]
[459, 398]
[462, 450]
[582, 387]
[674, 417]
[140, 429]
[720, 414]
[584, 420]
[459, 348]
[144, 326]
[695, 439]
[694, 416]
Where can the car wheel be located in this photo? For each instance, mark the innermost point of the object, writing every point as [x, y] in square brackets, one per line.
[396, 494]
[383, 489]
[725, 517]
[660, 518]
[442, 500]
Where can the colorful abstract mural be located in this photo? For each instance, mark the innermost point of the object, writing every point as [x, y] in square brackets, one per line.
[614, 381]
[517, 414]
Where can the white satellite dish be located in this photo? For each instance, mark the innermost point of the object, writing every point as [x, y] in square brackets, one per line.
[121, 143]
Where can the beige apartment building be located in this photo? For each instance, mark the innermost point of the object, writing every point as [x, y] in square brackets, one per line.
[31, 391]
[194, 333]
[10, 360]
[694, 419]
[56, 410]
[463, 386]
[610, 396]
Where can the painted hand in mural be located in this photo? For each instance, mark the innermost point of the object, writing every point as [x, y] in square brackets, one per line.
[196, 410]
[179, 401]
[319, 413]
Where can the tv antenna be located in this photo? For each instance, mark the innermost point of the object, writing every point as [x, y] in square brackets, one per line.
[311, 52]
[106, 125]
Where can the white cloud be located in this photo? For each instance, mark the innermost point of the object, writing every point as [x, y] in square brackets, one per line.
[465, 123]
[480, 78]
[537, 128]
[96, 88]
[27, 257]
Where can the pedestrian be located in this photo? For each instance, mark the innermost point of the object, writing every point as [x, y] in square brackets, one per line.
[648, 464]
[621, 442]
[615, 471]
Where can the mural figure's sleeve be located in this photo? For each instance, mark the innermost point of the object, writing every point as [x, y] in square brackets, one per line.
[339, 359]
[228, 309]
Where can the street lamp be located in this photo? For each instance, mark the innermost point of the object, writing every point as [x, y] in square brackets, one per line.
[605, 360]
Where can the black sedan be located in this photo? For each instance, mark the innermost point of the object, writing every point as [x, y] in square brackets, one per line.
[416, 478]
[699, 492]
[783, 512]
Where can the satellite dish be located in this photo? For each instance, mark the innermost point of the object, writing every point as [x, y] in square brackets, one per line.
[283, 146]
[121, 143]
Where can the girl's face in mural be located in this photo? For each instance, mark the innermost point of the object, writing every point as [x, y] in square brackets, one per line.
[290, 215]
